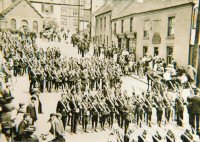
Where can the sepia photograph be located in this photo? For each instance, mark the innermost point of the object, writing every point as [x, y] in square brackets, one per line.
[99, 71]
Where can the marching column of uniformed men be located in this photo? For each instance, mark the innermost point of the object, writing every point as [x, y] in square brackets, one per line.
[59, 72]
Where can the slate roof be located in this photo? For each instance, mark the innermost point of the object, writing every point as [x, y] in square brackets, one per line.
[14, 4]
[103, 9]
[149, 5]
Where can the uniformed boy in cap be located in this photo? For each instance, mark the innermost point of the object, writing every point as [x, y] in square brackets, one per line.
[31, 109]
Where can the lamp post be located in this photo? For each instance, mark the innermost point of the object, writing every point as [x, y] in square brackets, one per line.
[196, 60]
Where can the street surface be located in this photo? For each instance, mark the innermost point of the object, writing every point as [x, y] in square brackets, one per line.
[49, 102]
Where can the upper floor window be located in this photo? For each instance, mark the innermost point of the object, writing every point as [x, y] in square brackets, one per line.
[115, 28]
[63, 10]
[47, 8]
[104, 22]
[146, 28]
[171, 23]
[75, 12]
[131, 24]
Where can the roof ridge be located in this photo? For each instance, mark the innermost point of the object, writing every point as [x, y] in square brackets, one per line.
[14, 4]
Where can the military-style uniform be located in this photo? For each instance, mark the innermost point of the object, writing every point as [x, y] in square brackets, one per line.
[63, 108]
[74, 111]
[179, 110]
[85, 115]
[95, 115]
[159, 112]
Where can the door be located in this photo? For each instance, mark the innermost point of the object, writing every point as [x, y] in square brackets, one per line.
[156, 51]
[119, 43]
[127, 44]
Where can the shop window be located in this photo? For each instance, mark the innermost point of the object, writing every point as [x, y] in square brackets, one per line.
[145, 50]
[171, 23]
[156, 51]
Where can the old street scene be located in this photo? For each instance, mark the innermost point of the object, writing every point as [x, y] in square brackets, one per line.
[99, 71]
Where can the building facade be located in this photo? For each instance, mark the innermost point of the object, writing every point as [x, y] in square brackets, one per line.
[71, 15]
[160, 28]
[12, 16]
[68, 14]
[103, 26]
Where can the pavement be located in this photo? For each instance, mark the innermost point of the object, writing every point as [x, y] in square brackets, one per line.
[49, 101]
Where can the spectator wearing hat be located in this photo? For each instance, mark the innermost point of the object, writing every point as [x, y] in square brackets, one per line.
[192, 72]
[59, 124]
[63, 109]
[54, 129]
[194, 111]
[8, 116]
[25, 123]
[7, 92]
[31, 109]
[20, 114]
[36, 93]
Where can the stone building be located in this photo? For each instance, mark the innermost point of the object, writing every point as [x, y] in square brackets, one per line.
[51, 10]
[158, 27]
[103, 29]
[21, 13]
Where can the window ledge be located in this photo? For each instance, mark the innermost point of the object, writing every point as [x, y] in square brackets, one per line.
[170, 37]
[146, 38]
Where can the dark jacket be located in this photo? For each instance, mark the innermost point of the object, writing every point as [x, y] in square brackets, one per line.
[32, 111]
[22, 126]
[62, 108]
